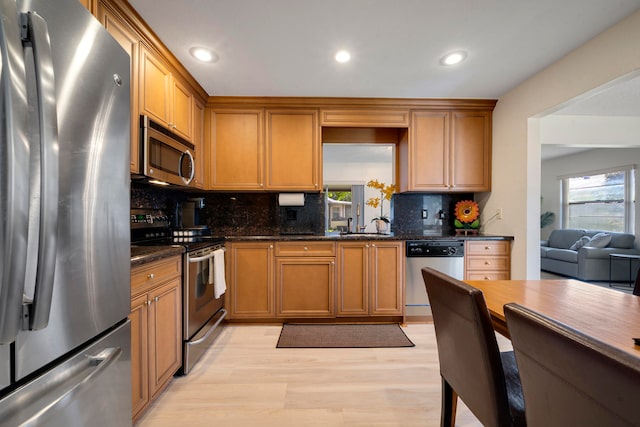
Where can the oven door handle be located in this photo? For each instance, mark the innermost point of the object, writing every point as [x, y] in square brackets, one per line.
[202, 258]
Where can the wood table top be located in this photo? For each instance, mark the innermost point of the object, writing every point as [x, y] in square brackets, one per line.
[608, 315]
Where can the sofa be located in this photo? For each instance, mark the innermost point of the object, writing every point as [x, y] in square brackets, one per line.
[584, 254]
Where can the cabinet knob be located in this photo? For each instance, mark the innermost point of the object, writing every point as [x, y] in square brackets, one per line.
[487, 277]
[151, 276]
[306, 248]
[156, 299]
[373, 245]
[149, 302]
[487, 263]
[270, 246]
[486, 248]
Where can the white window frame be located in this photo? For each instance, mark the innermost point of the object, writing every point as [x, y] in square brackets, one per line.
[629, 194]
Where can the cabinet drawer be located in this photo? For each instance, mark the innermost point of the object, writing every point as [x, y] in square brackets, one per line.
[487, 275]
[489, 263]
[487, 247]
[305, 249]
[155, 272]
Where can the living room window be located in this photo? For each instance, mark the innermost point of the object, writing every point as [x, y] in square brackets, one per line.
[599, 200]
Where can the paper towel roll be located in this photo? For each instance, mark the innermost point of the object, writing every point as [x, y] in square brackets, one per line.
[291, 199]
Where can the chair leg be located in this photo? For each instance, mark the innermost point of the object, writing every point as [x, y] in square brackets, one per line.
[449, 405]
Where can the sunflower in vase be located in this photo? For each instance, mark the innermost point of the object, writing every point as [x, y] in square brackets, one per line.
[386, 192]
[467, 215]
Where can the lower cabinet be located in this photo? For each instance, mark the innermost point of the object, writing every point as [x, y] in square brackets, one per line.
[315, 279]
[250, 291]
[156, 332]
[370, 278]
[487, 259]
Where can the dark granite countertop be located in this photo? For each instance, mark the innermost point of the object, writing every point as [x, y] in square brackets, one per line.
[144, 254]
[358, 236]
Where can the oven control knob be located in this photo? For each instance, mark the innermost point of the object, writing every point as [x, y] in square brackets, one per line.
[452, 251]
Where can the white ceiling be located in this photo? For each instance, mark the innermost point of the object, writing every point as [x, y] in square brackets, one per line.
[286, 47]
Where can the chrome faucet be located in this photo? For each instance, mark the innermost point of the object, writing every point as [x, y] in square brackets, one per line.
[357, 218]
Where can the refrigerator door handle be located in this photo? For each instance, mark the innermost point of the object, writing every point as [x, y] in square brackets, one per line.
[14, 159]
[38, 35]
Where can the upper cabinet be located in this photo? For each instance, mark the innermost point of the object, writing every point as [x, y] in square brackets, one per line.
[236, 149]
[293, 150]
[198, 141]
[263, 149]
[448, 151]
[129, 39]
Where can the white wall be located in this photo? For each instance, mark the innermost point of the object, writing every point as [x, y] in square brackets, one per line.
[516, 133]
[592, 160]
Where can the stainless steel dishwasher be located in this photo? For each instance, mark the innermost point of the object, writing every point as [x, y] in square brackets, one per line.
[446, 256]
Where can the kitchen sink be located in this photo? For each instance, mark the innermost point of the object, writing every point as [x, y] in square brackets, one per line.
[347, 235]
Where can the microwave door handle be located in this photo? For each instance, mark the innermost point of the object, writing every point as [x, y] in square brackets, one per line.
[14, 172]
[187, 180]
[48, 122]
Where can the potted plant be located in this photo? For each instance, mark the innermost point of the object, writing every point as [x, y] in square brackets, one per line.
[386, 192]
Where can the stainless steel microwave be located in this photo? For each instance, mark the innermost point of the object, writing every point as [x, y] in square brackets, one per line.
[166, 156]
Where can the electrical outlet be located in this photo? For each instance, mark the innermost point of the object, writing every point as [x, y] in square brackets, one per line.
[425, 213]
[499, 213]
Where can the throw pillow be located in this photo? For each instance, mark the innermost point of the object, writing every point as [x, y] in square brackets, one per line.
[580, 243]
[600, 240]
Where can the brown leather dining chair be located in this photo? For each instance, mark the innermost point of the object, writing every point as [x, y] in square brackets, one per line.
[471, 364]
[570, 379]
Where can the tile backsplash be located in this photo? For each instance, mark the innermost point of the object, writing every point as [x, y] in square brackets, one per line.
[232, 214]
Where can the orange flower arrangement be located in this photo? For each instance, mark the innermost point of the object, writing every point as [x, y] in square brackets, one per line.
[467, 214]
[386, 192]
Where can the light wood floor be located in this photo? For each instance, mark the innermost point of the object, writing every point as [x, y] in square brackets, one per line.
[245, 381]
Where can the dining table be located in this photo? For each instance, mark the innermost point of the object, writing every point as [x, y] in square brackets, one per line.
[608, 315]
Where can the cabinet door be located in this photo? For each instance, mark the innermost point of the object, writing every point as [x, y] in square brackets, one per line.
[237, 149]
[165, 333]
[198, 141]
[353, 279]
[250, 293]
[304, 287]
[470, 151]
[139, 354]
[155, 87]
[126, 36]
[387, 278]
[429, 151]
[181, 109]
[293, 150]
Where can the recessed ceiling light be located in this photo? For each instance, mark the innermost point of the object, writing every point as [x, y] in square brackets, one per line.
[343, 56]
[453, 58]
[203, 54]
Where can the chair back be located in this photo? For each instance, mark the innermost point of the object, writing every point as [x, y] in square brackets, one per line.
[467, 347]
[570, 379]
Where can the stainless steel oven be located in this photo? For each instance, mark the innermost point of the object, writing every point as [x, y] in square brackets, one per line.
[203, 282]
[166, 156]
[203, 299]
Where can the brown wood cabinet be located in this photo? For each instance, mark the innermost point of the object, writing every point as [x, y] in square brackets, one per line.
[305, 279]
[198, 141]
[129, 39]
[236, 149]
[370, 278]
[250, 292]
[156, 325]
[364, 118]
[163, 96]
[487, 260]
[293, 147]
[449, 151]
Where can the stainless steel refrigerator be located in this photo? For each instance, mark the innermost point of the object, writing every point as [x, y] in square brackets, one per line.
[64, 218]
